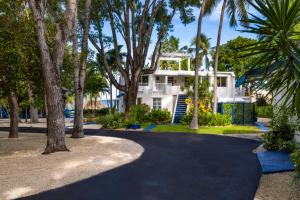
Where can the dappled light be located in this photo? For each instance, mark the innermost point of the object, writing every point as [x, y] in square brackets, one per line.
[17, 192]
[89, 156]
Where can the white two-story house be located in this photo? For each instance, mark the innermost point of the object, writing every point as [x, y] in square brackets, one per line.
[164, 88]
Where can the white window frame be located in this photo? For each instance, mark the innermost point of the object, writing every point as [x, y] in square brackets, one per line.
[220, 81]
[157, 103]
[141, 81]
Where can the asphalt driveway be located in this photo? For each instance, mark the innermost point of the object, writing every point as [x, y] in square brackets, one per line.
[174, 166]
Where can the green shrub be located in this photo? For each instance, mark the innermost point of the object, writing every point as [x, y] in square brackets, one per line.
[98, 112]
[296, 160]
[159, 116]
[275, 140]
[264, 111]
[187, 118]
[112, 121]
[138, 113]
[282, 135]
[208, 119]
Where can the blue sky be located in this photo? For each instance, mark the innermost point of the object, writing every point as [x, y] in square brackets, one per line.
[209, 27]
[186, 32]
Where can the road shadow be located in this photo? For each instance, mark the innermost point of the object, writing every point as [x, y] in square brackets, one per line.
[174, 166]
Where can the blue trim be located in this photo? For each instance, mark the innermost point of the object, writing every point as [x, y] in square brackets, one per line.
[150, 127]
[275, 161]
[262, 127]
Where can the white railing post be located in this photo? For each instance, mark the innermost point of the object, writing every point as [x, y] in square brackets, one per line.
[175, 107]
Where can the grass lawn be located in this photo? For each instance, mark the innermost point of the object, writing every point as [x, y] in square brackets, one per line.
[232, 129]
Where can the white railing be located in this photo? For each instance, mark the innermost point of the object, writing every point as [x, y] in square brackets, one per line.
[160, 88]
[239, 92]
[175, 107]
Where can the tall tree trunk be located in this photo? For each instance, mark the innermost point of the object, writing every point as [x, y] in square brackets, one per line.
[194, 122]
[215, 98]
[111, 99]
[130, 98]
[34, 117]
[14, 114]
[80, 70]
[51, 72]
[45, 105]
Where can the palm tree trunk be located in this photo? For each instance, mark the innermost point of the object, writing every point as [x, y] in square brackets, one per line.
[14, 115]
[194, 122]
[215, 99]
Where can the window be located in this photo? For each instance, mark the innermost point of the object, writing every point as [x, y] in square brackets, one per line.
[222, 81]
[143, 80]
[139, 101]
[156, 103]
[172, 80]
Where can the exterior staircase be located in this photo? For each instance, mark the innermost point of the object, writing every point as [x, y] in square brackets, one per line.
[180, 108]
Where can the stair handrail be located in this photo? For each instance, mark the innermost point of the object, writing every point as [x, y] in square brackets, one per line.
[175, 108]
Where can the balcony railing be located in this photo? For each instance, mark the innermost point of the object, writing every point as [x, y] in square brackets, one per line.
[160, 88]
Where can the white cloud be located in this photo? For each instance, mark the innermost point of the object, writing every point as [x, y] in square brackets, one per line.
[215, 15]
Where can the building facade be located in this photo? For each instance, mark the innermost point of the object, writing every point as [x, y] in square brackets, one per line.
[164, 88]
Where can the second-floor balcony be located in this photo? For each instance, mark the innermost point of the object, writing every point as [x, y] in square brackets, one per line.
[160, 88]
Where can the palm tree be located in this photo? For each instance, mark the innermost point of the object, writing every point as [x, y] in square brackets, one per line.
[170, 45]
[277, 67]
[204, 46]
[111, 59]
[233, 8]
[206, 8]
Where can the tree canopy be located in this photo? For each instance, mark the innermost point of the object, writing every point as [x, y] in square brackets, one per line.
[233, 58]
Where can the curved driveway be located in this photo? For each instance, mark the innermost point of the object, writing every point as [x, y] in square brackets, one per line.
[174, 166]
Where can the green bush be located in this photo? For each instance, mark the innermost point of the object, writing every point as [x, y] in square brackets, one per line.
[278, 141]
[98, 112]
[281, 136]
[208, 119]
[296, 160]
[264, 111]
[138, 113]
[187, 118]
[112, 121]
[159, 116]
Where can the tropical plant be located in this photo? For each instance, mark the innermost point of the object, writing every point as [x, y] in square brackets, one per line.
[159, 116]
[208, 119]
[280, 138]
[296, 160]
[204, 49]
[233, 8]
[277, 68]
[170, 45]
[112, 121]
[138, 113]
[206, 8]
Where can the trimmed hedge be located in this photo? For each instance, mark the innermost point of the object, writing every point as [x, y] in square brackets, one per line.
[208, 119]
[264, 111]
[98, 112]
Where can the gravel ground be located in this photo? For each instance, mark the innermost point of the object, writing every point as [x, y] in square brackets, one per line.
[278, 186]
[24, 171]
